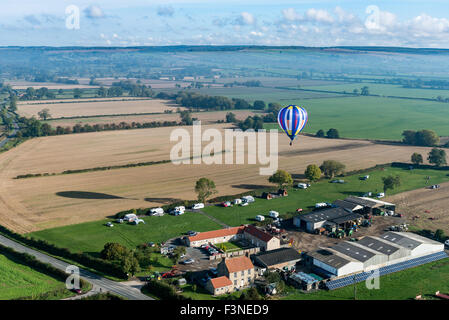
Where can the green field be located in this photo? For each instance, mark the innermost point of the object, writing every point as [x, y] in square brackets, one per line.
[324, 191]
[373, 117]
[91, 236]
[18, 280]
[407, 284]
[384, 90]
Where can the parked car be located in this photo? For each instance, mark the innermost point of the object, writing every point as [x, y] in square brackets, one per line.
[197, 206]
[237, 201]
[226, 204]
[260, 218]
[109, 224]
[368, 194]
[446, 243]
[77, 291]
[299, 210]
[381, 195]
[320, 205]
[338, 181]
[192, 233]
[365, 177]
[303, 185]
[188, 261]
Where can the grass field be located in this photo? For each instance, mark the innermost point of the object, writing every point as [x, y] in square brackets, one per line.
[91, 236]
[18, 280]
[404, 285]
[384, 90]
[33, 204]
[373, 117]
[324, 191]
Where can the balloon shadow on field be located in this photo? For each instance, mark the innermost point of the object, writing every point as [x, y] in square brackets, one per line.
[88, 195]
[163, 200]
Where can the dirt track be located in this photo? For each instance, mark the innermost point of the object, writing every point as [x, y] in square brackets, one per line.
[39, 203]
[417, 202]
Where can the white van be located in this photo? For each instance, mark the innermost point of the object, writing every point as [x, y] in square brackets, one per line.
[260, 218]
[274, 214]
[197, 206]
[156, 211]
[320, 205]
[302, 185]
[180, 209]
[381, 195]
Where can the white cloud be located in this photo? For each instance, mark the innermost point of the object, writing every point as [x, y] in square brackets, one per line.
[425, 25]
[245, 18]
[319, 16]
[290, 14]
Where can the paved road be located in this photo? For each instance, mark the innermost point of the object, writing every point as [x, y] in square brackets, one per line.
[13, 133]
[96, 280]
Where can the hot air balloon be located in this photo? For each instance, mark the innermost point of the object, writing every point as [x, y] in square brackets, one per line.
[292, 120]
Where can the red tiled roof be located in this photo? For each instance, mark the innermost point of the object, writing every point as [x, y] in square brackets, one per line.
[216, 233]
[262, 235]
[238, 264]
[220, 282]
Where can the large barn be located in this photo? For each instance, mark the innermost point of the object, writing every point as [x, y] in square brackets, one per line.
[389, 251]
[318, 219]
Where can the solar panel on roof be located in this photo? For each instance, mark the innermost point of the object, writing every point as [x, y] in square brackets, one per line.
[342, 282]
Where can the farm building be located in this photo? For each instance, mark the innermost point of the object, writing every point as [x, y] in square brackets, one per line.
[215, 236]
[386, 252]
[370, 204]
[250, 233]
[277, 259]
[219, 285]
[353, 207]
[333, 216]
[240, 271]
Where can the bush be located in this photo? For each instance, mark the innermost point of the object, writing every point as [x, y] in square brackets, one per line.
[163, 290]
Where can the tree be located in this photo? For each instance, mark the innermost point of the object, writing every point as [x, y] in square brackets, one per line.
[281, 178]
[250, 294]
[331, 168]
[114, 251]
[439, 235]
[391, 182]
[44, 114]
[417, 159]
[365, 91]
[427, 138]
[186, 117]
[437, 157]
[77, 93]
[259, 105]
[313, 172]
[205, 188]
[333, 134]
[230, 117]
[320, 133]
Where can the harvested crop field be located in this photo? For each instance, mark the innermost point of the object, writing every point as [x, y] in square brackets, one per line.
[429, 205]
[205, 117]
[42, 202]
[59, 110]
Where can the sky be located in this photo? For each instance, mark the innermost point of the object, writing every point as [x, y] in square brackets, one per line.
[405, 23]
